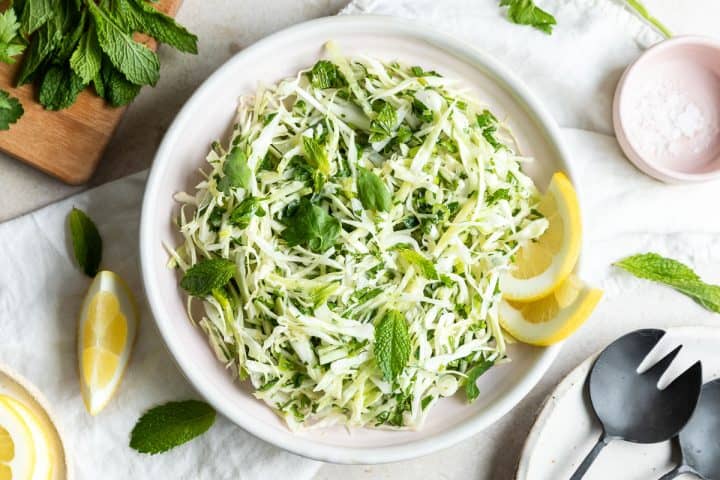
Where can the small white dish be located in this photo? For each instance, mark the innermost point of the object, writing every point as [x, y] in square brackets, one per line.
[566, 429]
[19, 388]
[208, 115]
[666, 110]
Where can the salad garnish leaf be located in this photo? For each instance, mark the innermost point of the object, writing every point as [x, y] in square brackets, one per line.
[382, 126]
[206, 275]
[312, 227]
[249, 207]
[425, 266]
[372, 192]
[525, 12]
[651, 266]
[471, 390]
[86, 242]
[237, 173]
[392, 344]
[167, 426]
[325, 74]
[316, 155]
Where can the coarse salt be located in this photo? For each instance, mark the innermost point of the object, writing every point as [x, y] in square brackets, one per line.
[663, 119]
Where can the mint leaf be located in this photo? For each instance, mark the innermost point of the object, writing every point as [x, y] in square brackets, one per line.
[167, 426]
[207, 275]
[114, 87]
[651, 266]
[237, 173]
[392, 344]
[525, 12]
[384, 123]
[10, 110]
[326, 74]
[11, 44]
[316, 155]
[59, 88]
[249, 207]
[424, 266]
[87, 57]
[485, 119]
[138, 63]
[143, 17]
[471, 389]
[497, 195]
[35, 14]
[312, 227]
[372, 192]
[43, 44]
[86, 242]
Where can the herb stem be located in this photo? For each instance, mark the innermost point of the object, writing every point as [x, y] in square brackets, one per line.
[644, 13]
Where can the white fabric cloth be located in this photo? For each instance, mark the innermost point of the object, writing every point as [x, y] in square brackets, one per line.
[573, 71]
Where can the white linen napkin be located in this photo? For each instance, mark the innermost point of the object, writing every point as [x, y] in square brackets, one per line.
[573, 72]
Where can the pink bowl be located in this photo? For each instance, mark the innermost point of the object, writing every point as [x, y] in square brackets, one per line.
[666, 110]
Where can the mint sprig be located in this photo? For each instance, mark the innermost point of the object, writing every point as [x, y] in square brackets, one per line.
[372, 192]
[207, 275]
[86, 242]
[472, 392]
[651, 266]
[525, 12]
[167, 426]
[392, 344]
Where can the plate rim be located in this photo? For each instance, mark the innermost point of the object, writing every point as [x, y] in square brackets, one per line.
[304, 446]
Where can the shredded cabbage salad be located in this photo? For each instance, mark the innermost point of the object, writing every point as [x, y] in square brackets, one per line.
[365, 210]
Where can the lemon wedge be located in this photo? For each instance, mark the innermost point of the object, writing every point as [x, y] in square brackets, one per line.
[542, 265]
[17, 450]
[45, 457]
[552, 318]
[108, 324]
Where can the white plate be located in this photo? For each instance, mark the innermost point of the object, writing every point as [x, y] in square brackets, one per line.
[208, 115]
[566, 428]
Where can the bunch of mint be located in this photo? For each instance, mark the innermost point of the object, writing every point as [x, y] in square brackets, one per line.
[74, 43]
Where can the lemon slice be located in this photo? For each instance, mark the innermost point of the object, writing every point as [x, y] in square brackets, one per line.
[17, 451]
[542, 265]
[108, 324]
[45, 457]
[552, 318]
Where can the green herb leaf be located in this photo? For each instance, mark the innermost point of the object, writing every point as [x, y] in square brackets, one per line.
[486, 119]
[138, 63]
[249, 207]
[10, 110]
[87, 57]
[206, 275]
[672, 273]
[43, 44]
[316, 155]
[326, 74]
[384, 123]
[11, 44]
[86, 242]
[59, 88]
[392, 344]
[525, 12]
[143, 17]
[237, 173]
[497, 195]
[35, 14]
[167, 426]
[416, 259]
[471, 389]
[372, 192]
[311, 226]
[114, 87]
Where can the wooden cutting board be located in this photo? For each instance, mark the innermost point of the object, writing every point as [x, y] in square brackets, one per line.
[67, 144]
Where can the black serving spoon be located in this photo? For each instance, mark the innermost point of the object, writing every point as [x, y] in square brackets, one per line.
[628, 404]
[700, 439]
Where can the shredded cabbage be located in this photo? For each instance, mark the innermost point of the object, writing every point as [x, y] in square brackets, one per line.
[298, 319]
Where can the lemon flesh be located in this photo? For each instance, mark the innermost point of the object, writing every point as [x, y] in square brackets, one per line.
[108, 325]
[541, 266]
[17, 451]
[552, 318]
[45, 457]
